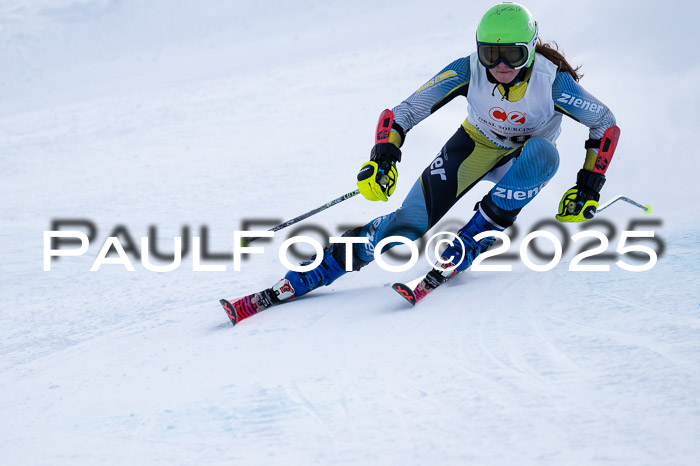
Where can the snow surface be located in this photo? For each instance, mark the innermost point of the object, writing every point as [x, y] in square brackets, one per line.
[208, 113]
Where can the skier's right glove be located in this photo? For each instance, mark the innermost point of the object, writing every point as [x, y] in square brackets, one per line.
[377, 178]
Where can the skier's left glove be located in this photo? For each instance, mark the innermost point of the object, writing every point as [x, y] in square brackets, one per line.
[581, 202]
[377, 178]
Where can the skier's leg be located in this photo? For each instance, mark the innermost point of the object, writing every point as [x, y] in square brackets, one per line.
[457, 167]
[410, 220]
[525, 171]
[518, 183]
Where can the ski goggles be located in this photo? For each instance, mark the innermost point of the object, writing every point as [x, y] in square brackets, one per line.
[515, 56]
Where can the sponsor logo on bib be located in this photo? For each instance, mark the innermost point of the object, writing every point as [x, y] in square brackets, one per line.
[500, 115]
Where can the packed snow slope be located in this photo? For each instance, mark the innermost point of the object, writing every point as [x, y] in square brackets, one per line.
[209, 114]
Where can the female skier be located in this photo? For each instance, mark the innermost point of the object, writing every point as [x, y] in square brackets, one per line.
[517, 89]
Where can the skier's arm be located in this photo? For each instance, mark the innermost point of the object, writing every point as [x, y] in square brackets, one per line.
[451, 81]
[571, 99]
[581, 202]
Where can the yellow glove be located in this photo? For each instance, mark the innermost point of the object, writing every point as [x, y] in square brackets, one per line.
[375, 186]
[576, 206]
[580, 203]
[377, 178]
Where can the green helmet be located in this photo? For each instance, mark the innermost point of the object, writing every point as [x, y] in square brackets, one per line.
[507, 32]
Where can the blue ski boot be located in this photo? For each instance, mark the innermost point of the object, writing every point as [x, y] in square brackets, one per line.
[465, 257]
[294, 284]
[455, 259]
[325, 274]
[331, 268]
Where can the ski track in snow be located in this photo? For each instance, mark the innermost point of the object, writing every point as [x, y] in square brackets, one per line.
[205, 115]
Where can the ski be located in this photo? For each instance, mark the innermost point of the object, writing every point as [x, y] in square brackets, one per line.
[425, 285]
[246, 306]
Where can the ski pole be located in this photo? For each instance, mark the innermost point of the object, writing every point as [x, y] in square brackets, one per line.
[246, 241]
[646, 208]
[386, 119]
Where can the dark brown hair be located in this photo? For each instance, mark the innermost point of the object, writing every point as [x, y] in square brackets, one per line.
[550, 50]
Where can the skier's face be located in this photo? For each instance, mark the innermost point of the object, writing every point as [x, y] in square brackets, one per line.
[503, 73]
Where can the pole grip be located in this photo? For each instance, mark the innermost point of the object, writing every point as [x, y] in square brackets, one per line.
[386, 119]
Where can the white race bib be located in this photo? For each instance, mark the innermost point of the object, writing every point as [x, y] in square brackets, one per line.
[509, 124]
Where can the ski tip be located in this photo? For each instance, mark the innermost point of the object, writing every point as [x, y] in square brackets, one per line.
[405, 291]
[230, 311]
